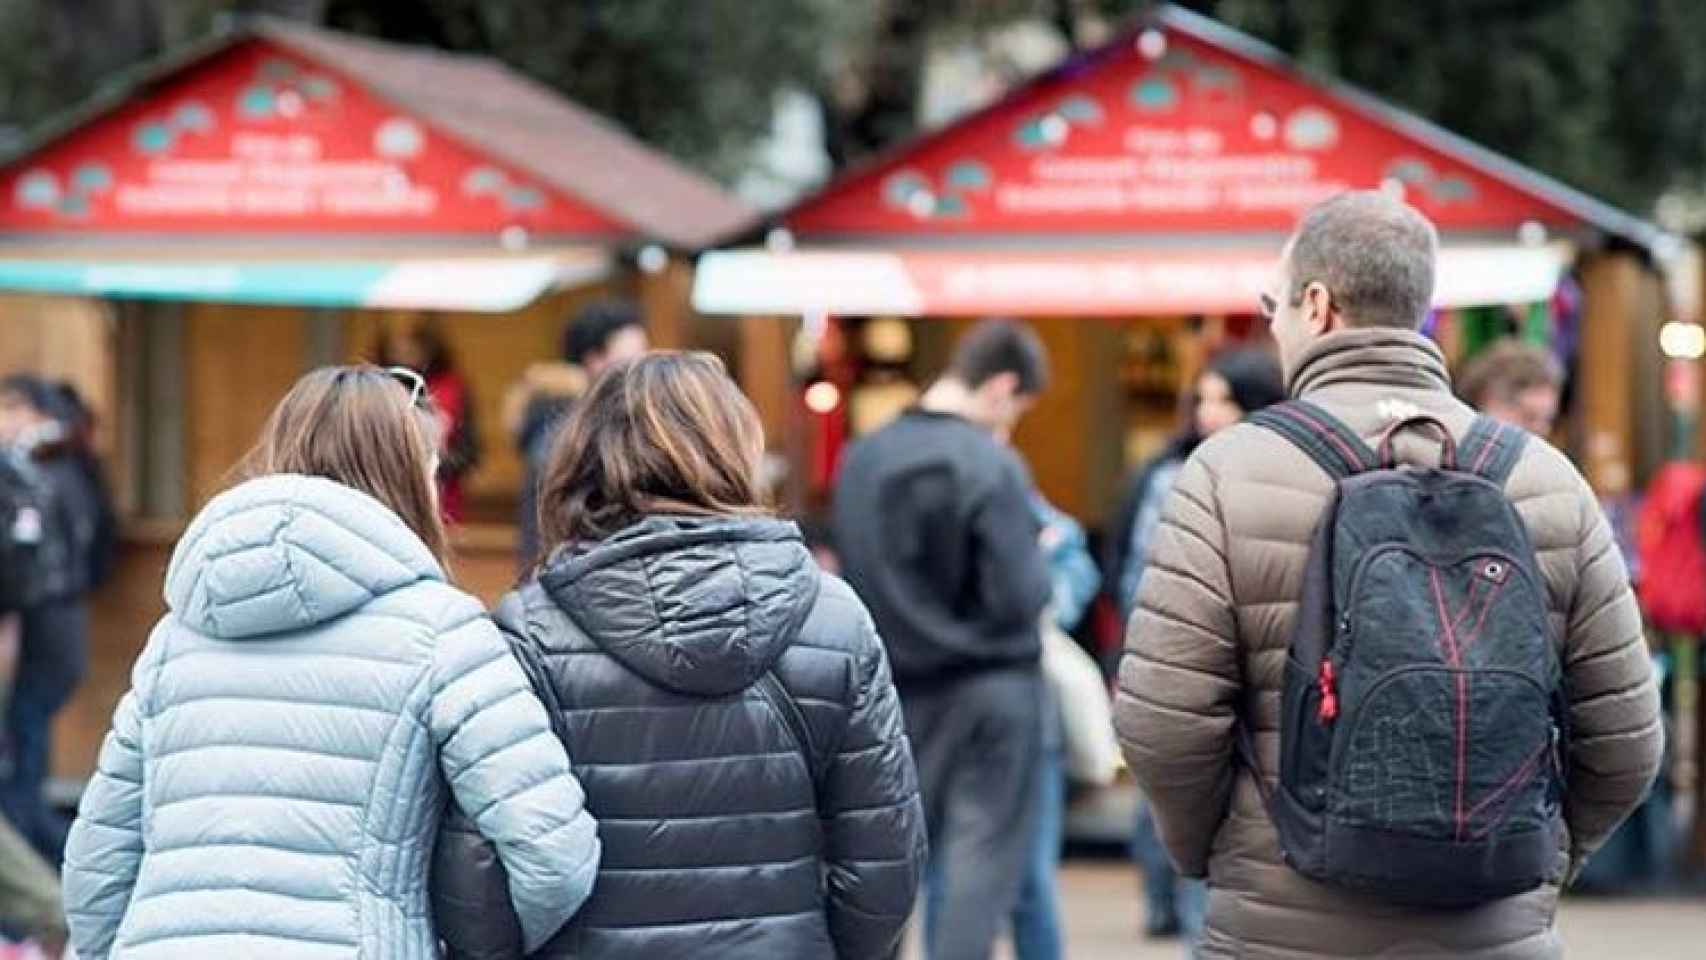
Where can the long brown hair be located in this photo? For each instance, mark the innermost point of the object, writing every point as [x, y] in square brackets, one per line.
[355, 426]
[668, 432]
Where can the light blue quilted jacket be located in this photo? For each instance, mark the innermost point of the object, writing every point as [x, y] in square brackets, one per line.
[274, 779]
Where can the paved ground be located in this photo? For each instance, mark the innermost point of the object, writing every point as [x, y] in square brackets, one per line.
[1100, 899]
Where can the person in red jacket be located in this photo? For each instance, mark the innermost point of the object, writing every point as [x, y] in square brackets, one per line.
[421, 347]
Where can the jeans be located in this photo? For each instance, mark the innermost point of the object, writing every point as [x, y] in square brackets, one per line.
[1172, 902]
[1036, 920]
[50, 666]
[978, 746]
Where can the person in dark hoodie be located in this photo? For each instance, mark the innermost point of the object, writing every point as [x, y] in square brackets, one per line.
[728, 706]
[1235, 384]
[936, 531]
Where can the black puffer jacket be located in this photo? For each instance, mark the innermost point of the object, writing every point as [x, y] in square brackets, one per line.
[716, 841]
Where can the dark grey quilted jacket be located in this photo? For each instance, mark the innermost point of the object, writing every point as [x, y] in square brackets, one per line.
[716, 841]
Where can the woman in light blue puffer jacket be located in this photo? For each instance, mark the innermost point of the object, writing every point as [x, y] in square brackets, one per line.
[276, 775]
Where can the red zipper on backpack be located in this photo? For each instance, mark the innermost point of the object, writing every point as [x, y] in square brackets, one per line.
[1328, 682]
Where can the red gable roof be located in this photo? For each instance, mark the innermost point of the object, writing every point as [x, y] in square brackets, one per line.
[292, 129]
[1181, 126]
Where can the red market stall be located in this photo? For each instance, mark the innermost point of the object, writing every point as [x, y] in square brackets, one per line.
[278, 197]
[1132, 202]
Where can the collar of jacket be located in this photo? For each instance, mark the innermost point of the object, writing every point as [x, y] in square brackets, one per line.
[1381, 356]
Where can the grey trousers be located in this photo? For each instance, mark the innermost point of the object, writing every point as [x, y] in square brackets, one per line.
[978, 745]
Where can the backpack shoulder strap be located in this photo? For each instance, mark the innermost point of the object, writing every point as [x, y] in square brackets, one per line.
[1326, 439]
[771, 688]
[1491, 449]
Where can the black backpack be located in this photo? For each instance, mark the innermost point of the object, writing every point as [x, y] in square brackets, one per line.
[1423, 709]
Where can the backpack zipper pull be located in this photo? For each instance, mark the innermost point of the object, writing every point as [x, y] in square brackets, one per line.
[1329, 708]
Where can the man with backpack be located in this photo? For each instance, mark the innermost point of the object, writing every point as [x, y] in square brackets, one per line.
[1386, 685]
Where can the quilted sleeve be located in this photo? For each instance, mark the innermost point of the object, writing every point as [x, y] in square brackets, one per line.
[511, 777]
[873, 820]
[1616, 731]
[104, 850]
[1179, 677]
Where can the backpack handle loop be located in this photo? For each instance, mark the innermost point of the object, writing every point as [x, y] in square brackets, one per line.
[1448, 451]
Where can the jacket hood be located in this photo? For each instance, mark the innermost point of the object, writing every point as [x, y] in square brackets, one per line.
[697, 605]
[287, 552]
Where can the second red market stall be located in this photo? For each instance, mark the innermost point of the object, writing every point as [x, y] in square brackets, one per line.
[1132, 202]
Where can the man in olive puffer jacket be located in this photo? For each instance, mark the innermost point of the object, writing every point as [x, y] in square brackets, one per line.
[1207, 645]
[720, 837]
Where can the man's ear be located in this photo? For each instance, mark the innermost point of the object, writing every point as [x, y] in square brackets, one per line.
[1318, 310]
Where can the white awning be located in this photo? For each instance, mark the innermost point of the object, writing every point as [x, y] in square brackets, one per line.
[1095, 282]
[476, 284]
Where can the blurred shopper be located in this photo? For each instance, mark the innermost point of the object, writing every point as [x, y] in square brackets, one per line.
[20, 535]
[1207, 648]
[603, 333]
[57, 519]
[1516, 382]
[934, 525]
[94, 500]
[421, 347]
[1236, 383]
[274, 779]
[1037, 932]
[728, 703]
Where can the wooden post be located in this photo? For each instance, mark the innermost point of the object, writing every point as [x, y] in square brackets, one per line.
[1611, 285]
[665, 302]
[1071, 439]
[765, 374]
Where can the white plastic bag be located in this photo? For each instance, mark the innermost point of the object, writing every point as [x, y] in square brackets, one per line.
[1086, 714]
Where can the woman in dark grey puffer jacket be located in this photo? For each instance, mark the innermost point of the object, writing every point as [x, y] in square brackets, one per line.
[727, 706]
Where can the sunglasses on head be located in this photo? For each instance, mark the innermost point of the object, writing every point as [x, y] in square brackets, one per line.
[410, 381]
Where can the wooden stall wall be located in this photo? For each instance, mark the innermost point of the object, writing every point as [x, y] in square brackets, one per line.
[1073, 439]
[240, 361]
[120, 616]
[68, 338]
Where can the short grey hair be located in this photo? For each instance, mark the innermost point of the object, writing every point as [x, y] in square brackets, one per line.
[1375, 255]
